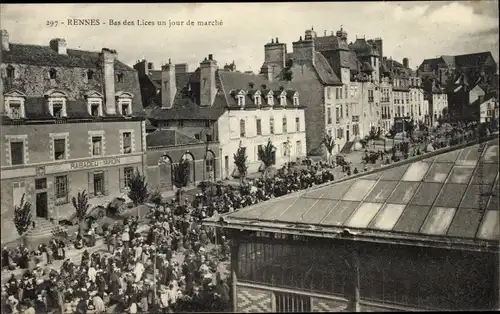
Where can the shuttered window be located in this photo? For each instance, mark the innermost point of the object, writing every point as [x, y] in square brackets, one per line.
[258, 123]
[59, 149]
[292, 303]
[297, 124]
[284, 125]
[17, 153]
[98, 183]
[61, 189]
[271, 125]
[127, 142]
[126, 175]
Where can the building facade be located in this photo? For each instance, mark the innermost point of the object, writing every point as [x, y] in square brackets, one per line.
[72, 120]
[231, 108]
[417, 108]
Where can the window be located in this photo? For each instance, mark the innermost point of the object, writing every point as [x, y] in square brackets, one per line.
[370, 95]
[284, 125]
[90, 75]
[241, 100]
[99, 183]
[285, 148]
[347, 111]
[291, 303]
[128, 174]
[329, 115]
[258, 126]
[328, 93]
[282, 101]
[297, 124]
[208, 137]
[180, 123]
[61, 187]
[271, 125]
[41, 184]
[53, 74]
[95, 110]
[298, 148]
[197, 136]
[126, 109]
[59, 149]
[96, 145]
[259, 147]
[337, 93]
[340, 133]
[119, 77]
[127, 142]
[15, 110]
[17, 153]
[57, 109]
[270, 100]
[341, 111]
[355, 129]
[337, 115]
[346, 90]
[207, 123]
[11, 72]
[257, 100]
[242, 128]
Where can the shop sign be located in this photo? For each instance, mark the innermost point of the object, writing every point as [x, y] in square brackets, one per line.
[96, 163]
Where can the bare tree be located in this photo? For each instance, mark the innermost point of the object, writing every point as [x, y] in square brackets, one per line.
[22, 218]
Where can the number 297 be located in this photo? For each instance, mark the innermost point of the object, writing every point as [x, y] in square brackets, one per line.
[52, 23]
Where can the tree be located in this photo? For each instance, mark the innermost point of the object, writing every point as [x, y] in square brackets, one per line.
[22, 217]
[81, 205]
[180, 176]
[138, 188]
[266, 155]
[329, 143]
[393, 133]
[409, 128]
[240, 161]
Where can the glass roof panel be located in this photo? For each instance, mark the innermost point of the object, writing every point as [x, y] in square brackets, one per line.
[461, 174]
[295, 212]
[359, 190]
[336, 191]
[485, 173]
[279, 207]
[363, 215]
[381, 191]
[465, 223]
[412, 218]
[416, 171]
[491, 154]
[438, 172]
[319, 210]
[438, 221]
[493, 204]
[451, 195]
[388, 217]
[469, 156]
[317, 193]
[394, 173]
[373, 176]
[430, 159]
[490, 228]
[426, 194]
[476, 196]
[253, 212]
[340, 213]
[449, 156]
[403, 192]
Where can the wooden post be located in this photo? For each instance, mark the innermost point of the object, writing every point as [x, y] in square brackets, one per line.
[234, 269]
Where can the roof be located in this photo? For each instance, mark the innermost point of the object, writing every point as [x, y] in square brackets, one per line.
[324, 70]
[472, 59]
[332, 42]
[162, 138]
[441, 197]
[363, 48]
[46, 56]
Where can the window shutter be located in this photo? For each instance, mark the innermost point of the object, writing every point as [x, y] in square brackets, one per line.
[91, 184]
[106, 182]
[122, 181]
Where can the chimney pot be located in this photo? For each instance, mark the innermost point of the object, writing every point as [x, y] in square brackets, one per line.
[272, 40]
[210, 57]
[5, 40]
[277, 41]
[169, 61]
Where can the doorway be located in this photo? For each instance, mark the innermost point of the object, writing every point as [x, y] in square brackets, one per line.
[347, 135]
[41, 205]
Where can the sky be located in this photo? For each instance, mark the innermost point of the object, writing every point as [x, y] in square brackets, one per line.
[416, 30]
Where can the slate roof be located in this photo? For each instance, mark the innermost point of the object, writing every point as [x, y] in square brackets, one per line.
[325, 71]
[46, 56]
[472, 59]
[363, 48]
[447, 197]
[163, 138]
[332, 42]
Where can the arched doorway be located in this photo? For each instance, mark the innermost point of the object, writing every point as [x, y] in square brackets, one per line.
[190, 159]
[209, 166]
[165, 165]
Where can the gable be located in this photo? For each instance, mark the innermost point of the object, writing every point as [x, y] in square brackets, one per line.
[93, 94]
[55, 93]
[15, 93]
[121, 94]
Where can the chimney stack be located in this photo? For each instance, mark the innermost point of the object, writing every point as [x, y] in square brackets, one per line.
[181, 68]
[303, 50]
[267, 71]
[208, 89]
[406, 63]
[168, 85]
[108, 57]
[5, 40]
[142, 67]
[59, 45]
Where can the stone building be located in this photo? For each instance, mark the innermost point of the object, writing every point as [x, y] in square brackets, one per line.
[72, 120]
[227, 107]
[422, 234]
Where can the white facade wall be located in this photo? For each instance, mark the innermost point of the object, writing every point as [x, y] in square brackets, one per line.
[417, 106]
[230, 138]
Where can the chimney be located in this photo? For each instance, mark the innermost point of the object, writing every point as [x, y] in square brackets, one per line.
[151, 66]
[59, 46]
[267, 71]
[181, 68]
[303, 50]
[5, 40]
[108, 57]
[168, 85]
[406, 63]
[208, 90]
[142, 67]
[275, 56]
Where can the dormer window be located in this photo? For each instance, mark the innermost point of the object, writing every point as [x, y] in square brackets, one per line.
[94, 103]
[14, 104]
[124, 103]
[241, 99]
[257, 100]
[57, 103]
[296, 100]
[270, 100]
[11, 72]
[53, 74]
[90, 75]
[282, 100]
[119, 77]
